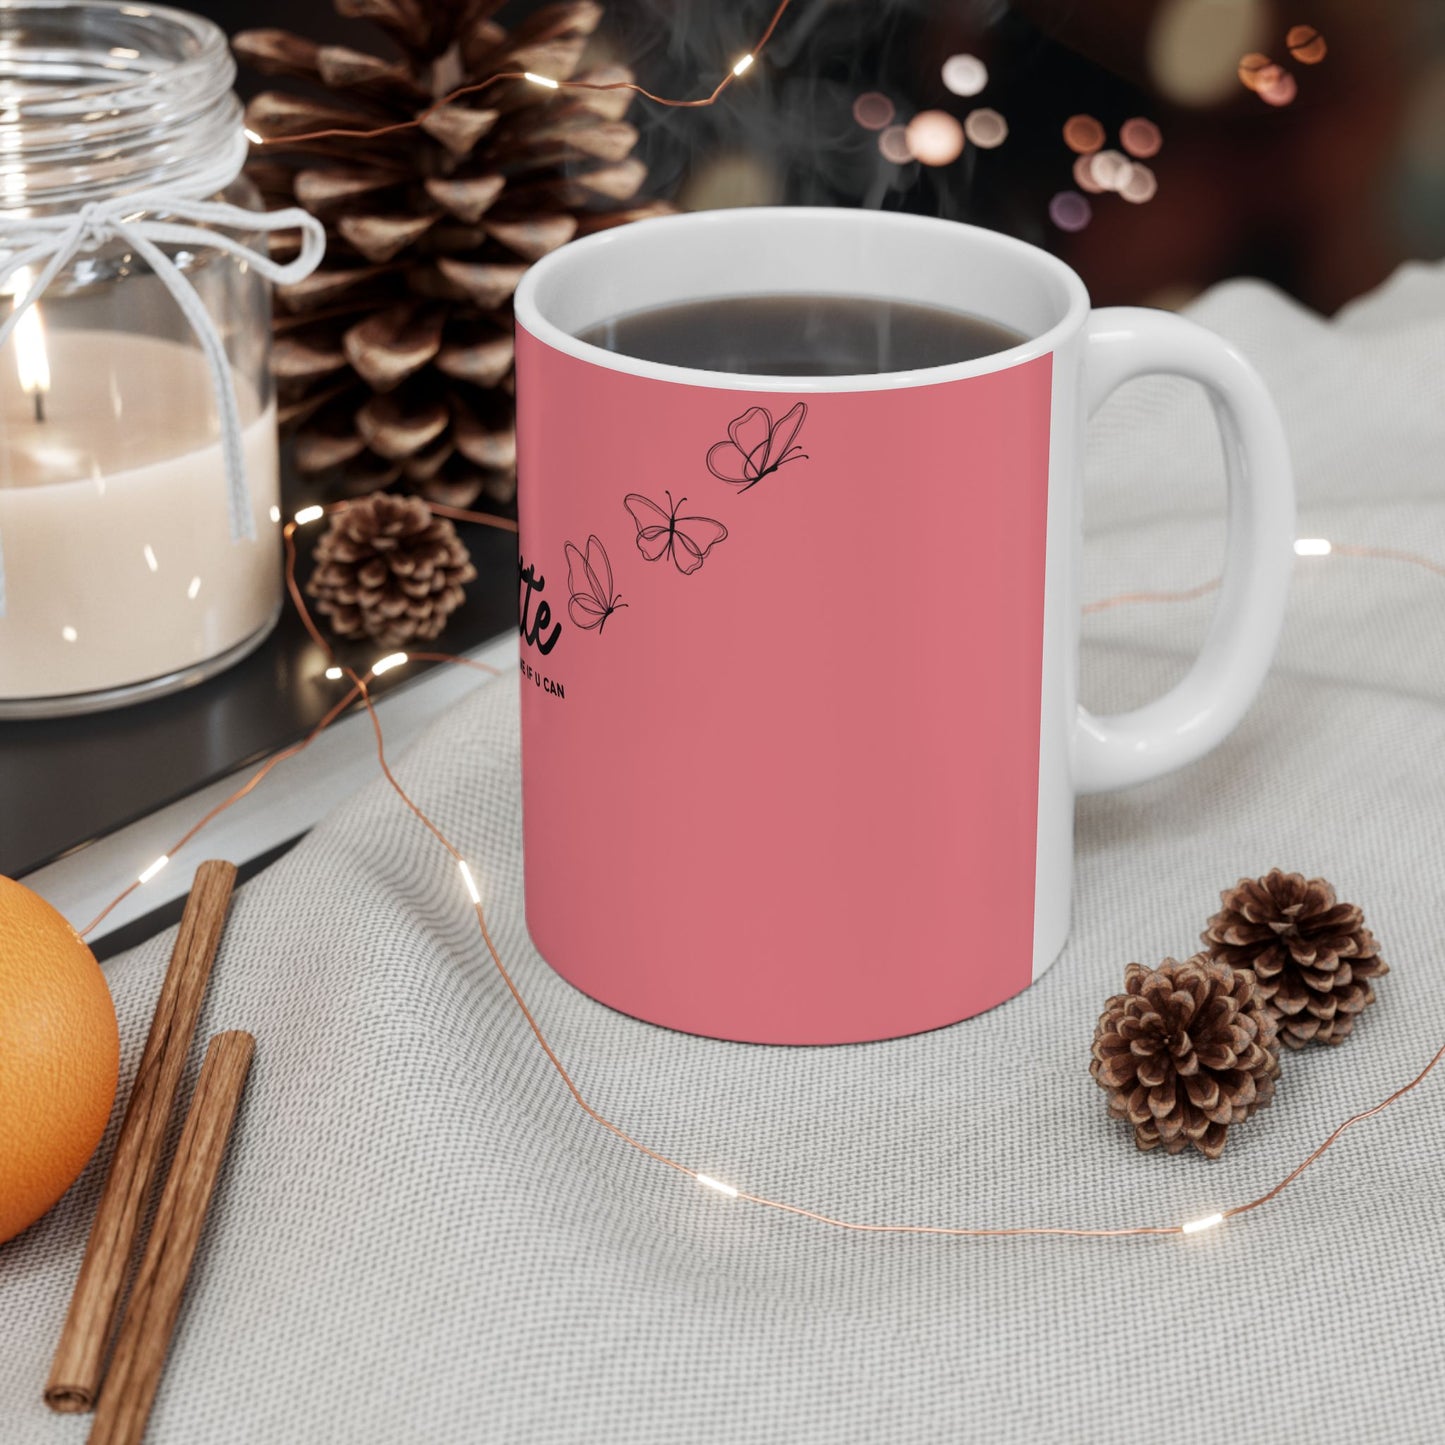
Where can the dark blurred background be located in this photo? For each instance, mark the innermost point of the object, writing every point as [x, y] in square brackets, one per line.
[1318, 166]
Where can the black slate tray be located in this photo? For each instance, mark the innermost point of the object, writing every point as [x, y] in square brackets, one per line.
[66, 781]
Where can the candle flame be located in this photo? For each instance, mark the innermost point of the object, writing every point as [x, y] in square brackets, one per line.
[32, 361]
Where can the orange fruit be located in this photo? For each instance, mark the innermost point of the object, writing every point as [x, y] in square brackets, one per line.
[59, 1056]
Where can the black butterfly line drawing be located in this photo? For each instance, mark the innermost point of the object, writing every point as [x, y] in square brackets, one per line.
[662, 533]
[589, 580]
[757, 445]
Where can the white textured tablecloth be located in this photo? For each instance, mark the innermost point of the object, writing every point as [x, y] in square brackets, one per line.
[418, 1237]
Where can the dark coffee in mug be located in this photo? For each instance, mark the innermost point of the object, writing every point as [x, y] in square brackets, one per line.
[801, 335]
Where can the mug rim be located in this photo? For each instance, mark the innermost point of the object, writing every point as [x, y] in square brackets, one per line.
[530, 317]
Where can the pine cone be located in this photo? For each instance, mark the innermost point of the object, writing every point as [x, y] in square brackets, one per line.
[1313, 957]
[394, 360]
[1185, 1051]
[388, 570]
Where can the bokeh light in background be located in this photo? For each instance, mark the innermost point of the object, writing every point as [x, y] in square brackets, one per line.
[1110, 170]
[873, 110]
[1139, 185]
[1271, 81]
[1306, 44]
[893, 143]
[1084, 175]
[985, 128]
[1140, 138]
[1084, 134]
[1279, 89]
[1070, 211]
[964, 74]
[934, 137]
[743, 178]
[1252, 67]
[1194, 46]
[1323, 195]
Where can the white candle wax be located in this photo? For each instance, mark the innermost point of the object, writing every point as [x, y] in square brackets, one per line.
[119, 562]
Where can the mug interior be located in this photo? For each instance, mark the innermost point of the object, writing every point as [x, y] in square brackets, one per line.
[761, 251]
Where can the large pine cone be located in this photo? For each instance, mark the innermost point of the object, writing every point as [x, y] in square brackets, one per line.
[394, 360]
[1185, 1051]
[1313, 956]
[388, 570]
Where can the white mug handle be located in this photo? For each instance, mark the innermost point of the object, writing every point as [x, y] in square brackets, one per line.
[1124, 342]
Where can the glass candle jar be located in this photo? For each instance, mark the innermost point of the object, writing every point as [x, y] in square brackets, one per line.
[129, 571]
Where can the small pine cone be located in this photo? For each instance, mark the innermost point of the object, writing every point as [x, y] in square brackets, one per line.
[1312, 956]
[388, 570]
[1185, 1051]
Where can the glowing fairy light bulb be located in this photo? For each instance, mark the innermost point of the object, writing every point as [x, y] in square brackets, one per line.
[1198, 1226]
[1312, 547]
[742, 64]
[544, 80]
[148, 873]
[256, 140]
[708, 1182]
[385, 664]
[309, 514]
[471, 882]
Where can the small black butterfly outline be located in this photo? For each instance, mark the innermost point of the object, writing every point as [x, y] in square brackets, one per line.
[754, 456]
[589, 581]
[662, 533]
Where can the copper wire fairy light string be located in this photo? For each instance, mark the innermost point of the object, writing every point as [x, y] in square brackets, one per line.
[1321, 548]
[1348, 1124]
[344, 132]
[254, 781]
[1130, 599]
[1388, 554]
[360, 690]
[501, 523]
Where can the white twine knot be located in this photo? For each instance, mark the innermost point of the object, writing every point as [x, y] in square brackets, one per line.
[146, 221]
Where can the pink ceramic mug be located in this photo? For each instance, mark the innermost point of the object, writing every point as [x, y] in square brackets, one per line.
[800, 738]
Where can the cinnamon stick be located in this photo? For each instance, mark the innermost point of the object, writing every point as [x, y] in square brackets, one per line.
[155, 1298]
[79, 1362]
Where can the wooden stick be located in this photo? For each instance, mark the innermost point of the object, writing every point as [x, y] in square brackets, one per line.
[79, 1362]
[155, 1298]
